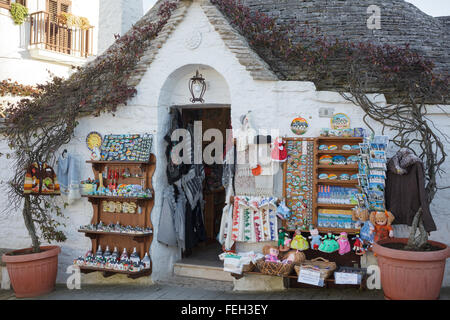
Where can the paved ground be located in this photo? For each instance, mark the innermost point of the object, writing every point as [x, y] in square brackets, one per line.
[200, 291]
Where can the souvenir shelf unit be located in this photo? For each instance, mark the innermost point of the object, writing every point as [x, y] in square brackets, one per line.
[141, 173]
[336, 181]
[323, 199]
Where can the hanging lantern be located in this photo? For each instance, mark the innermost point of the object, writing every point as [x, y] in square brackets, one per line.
[197, 87]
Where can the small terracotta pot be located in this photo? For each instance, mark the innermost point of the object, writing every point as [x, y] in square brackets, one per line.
[411, 275]
[32, 274]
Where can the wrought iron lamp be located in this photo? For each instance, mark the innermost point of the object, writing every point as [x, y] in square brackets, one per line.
[197, 87]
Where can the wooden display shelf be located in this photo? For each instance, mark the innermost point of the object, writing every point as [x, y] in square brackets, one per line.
[117, 198]
[338, 230]
[110, 272]
[343, 152]
[128, 241]
[343, 139]
[337, 182]
[338, 166]
[118, 162]
[138, 237]
[335, 206]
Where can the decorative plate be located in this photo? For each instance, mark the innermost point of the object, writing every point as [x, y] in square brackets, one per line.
[339, 160]
[340, 121]
[299, 126]
[325, 159]
[93, 140]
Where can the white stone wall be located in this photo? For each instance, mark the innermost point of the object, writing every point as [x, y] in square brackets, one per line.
[116, 17]
[274, 105]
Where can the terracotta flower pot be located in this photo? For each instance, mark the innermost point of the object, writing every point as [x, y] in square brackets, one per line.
[32, 274]
[411, 275]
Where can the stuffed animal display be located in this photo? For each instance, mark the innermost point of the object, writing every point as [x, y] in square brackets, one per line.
[382, 225]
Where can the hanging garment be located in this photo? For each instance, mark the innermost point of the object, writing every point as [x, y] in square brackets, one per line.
[405, 189]
[179, 219]
[194, 226]
[166, 227]
[173, 171]
[68, 172]
[192, 183]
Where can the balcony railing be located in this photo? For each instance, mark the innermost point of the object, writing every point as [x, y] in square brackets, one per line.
[47, 32]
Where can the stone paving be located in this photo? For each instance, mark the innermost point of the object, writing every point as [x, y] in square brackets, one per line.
[200, 290]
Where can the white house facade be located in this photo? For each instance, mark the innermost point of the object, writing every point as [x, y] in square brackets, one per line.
[199, 38]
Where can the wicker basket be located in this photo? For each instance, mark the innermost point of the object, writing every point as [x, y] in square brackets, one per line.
[325, 267]
[275, 268]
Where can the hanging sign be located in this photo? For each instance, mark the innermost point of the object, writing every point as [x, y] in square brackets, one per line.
[299, 126]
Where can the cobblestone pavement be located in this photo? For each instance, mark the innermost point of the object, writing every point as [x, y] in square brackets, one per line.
[196, 289]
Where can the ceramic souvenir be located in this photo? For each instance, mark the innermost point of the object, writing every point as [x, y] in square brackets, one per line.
[124, 255]
[346, 147]
[340, 121]
[339, 160]
[326, 159]
[134, 257]
[99, 252]
[344, 177]
[332, 176]
[354, 177]
[333, 147]
[352, 159]
[94, 140]
[324, 132]
[347, 132]
[323, 147]
[323, 176]
[299, 126]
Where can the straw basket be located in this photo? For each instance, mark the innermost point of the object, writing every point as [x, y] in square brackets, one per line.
[275, 268]
[325, 267]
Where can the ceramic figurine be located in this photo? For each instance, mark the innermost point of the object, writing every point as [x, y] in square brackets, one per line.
[124, 255]
[107, 253]
[382, 225]
[316, 240]
[299, 242]
[146, 261]
[344, 244]
[134, 257]
[99, 252]
[329, 244]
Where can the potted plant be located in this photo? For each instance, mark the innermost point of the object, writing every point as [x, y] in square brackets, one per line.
[33, 271]
[410, 268]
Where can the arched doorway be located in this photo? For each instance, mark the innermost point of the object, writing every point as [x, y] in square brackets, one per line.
[200, 248]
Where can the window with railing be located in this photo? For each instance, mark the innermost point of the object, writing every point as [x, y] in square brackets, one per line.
[57, 30]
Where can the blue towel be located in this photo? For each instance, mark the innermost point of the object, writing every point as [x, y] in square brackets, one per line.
[68, 173]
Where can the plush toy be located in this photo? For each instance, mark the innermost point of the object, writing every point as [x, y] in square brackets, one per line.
[294, 256]
[271, 253]
[382, 225]
[316, 240]
[344, 244]
[329, 244]
[362, 216]
[282, 235]
[299, 242]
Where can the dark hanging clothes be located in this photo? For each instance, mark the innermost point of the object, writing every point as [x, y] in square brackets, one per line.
[174, 172]
[195, 229]
[405, 190]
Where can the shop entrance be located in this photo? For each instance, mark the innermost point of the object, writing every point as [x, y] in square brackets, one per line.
[202, 260]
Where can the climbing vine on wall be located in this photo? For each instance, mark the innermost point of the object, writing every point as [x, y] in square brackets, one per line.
[18, 12]
[8, 87]
[37, 128]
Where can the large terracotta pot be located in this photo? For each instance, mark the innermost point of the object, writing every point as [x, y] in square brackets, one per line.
[411, 275]
[32, 274]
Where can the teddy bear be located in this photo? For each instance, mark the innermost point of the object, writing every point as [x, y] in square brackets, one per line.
[382, 228]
